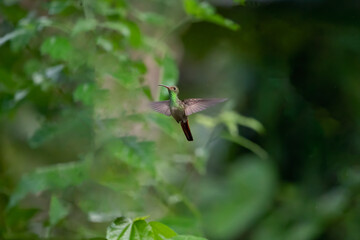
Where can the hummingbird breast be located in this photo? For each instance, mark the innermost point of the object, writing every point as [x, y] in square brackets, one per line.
[178, 114]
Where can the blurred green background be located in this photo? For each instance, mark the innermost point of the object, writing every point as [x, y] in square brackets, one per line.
[80, 147]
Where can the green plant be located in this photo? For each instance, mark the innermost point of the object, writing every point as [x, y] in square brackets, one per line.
[83, 69]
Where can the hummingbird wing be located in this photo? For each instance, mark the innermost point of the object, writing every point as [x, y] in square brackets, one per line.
[161, 107]
[194, 105]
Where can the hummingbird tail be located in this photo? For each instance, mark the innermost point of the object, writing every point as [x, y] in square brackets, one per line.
[186, 129]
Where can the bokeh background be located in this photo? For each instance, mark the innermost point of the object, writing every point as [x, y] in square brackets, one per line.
[79, 145]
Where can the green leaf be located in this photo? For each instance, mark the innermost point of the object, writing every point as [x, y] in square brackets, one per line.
[205, 11]
[128, 29]
[147, 92]
[59, 48]
[85, 93]
[129, 75]
[21, 41]
[333, 203]
[160, 230]
[10, 2]
[27, 29]
[19, 216]
[125, 229]
[207, 121]
[132, 152]
[43, 134]
[56, 7]
[187, 237]
[120, 27]
[20, 95]
[53, 72]
[118, 229]
[104, 44]
[59, 176]
[135, 35]
[246, 143]
[306, 230]
[151, 18]
[58, 211]
[31, 66]
[70, 121]
[241, 2]
[12, 35]
[108, 8]
[84, 25]
[232, 119]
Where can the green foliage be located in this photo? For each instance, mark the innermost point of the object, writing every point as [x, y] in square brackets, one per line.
[59, 48]
[54, 177]
[185, 237]
[57, 211]
[254, 182]
[75, 82]
[85, 93]
[80, 147]
[11, 36]
[84, 25]
[232, 120]
[205, 11]
[126, 229]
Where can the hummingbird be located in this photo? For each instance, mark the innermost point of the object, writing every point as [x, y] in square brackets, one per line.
[180, 110]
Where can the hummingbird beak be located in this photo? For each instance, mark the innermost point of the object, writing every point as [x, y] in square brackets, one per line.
[164, 86]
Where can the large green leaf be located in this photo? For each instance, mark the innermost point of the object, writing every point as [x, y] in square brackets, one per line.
[125, 229]
[59, 176]
[187, 237]
[160, 230]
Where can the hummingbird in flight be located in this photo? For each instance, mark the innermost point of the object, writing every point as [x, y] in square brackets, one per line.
[180, 110]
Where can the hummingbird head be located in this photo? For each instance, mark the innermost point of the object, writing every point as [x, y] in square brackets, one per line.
[174, 89]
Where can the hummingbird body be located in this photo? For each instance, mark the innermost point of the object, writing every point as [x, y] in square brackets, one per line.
[177, 108]
[180, 110]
